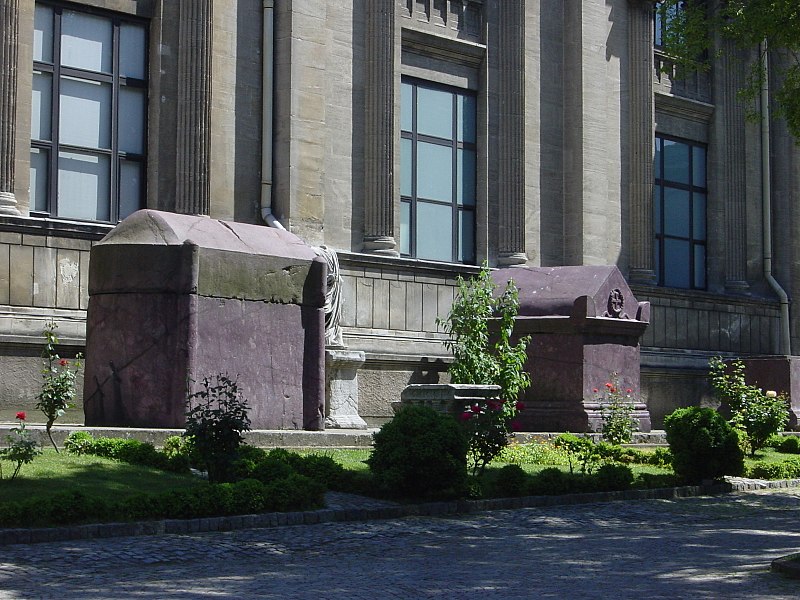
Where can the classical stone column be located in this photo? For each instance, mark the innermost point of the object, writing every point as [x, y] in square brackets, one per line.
[642, 133]
[9, 33]
[511, 133]
[733, 166]
[194, 108]
[380, 142]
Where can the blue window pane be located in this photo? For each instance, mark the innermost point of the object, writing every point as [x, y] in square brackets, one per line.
[657, 159]
[435, 113]
[41, 105]
[657, 257]
[699, 216]
[465, 180]
[131, 119]
[130, 188]
[657, 223]
[676, 263]
[434, 231]
[406, 106]
[434, 172]
[405, 167]
[699, 166]
[466, 236]
[43, 33]
[86, 42]
[83, 186]
[699, 266]
[39, 169]
[676, 212]
[466, 119]
[132, 51]
[676, 161]
[85, 113]
[405, 228]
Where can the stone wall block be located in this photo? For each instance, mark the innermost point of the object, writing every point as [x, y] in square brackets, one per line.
[68, 279]
[21, 288]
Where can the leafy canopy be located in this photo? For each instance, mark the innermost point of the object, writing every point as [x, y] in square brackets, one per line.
[691, 27]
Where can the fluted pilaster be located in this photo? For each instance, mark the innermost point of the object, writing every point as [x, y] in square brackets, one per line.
[380, 135]
[9, 32]
[733, 167]
[642, 132]
[511, 133]
[193, 189]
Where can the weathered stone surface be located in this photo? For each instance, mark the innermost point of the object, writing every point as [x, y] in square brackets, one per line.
[177, 298]
[584, 324]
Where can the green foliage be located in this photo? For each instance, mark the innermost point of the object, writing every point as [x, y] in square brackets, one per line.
[126, 450]
[534, 453]
[614, 477]
[486, 358]
[757, 413]
[787, 469]
[295, 492]
[789, 444]
[79, 442]
[616, 408]
[746, 23]
[420, 454]
[216, 421]
[703, 445]
[21, 448]
[58, 381]
[579, 449]
[511, 481]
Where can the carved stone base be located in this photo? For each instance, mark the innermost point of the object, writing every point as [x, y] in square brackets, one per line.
[8, 204]
[341, 389]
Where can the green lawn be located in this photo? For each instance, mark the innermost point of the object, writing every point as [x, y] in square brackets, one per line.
[99, 477]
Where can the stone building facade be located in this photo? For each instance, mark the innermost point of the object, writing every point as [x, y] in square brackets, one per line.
[417, 138]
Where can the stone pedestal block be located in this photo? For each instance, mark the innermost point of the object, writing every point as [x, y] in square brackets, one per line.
[449, 398]
[778, 373]
[341, 389]
[176, 298]
[585, 324]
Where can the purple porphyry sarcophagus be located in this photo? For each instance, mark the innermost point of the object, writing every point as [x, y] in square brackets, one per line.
[585, 324]
[176, 298]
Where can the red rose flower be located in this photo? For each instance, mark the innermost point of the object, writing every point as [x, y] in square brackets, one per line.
[609, 386]
[476, 408]
[628, 391]
[21, 415]
[520, 406]
[612, 389]
[595, 390]
[63, 362]
[465, 416]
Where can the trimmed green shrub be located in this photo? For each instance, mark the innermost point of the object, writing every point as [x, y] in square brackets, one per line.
[613, 478]
[511, 481]
[789, 444]
[420, 454]
[79, 442]
[703, 445]
[788, 469]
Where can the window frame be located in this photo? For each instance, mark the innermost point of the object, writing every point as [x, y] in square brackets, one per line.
[661, 183]
[117, 157]
[413, 200]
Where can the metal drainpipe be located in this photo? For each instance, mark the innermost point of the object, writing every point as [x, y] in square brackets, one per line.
[267, 99]
[766, 196]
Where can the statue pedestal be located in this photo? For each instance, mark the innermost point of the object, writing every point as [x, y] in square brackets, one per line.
[341, 389]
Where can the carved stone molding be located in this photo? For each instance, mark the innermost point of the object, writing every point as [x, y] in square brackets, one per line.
[9, 43]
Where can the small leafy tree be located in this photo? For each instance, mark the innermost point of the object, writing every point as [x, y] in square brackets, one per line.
[21, 448]
[616, 408]
[757, 413]
[59, 377]
[216, 421]
[482, 356]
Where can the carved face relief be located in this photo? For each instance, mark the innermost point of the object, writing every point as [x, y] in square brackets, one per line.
[616, 304]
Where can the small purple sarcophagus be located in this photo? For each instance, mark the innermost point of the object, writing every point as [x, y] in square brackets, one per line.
[176, 298]
[585, 324]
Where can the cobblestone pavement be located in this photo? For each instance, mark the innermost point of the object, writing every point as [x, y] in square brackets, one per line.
[717, 547]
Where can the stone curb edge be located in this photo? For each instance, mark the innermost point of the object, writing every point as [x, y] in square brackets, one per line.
[431, 509]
